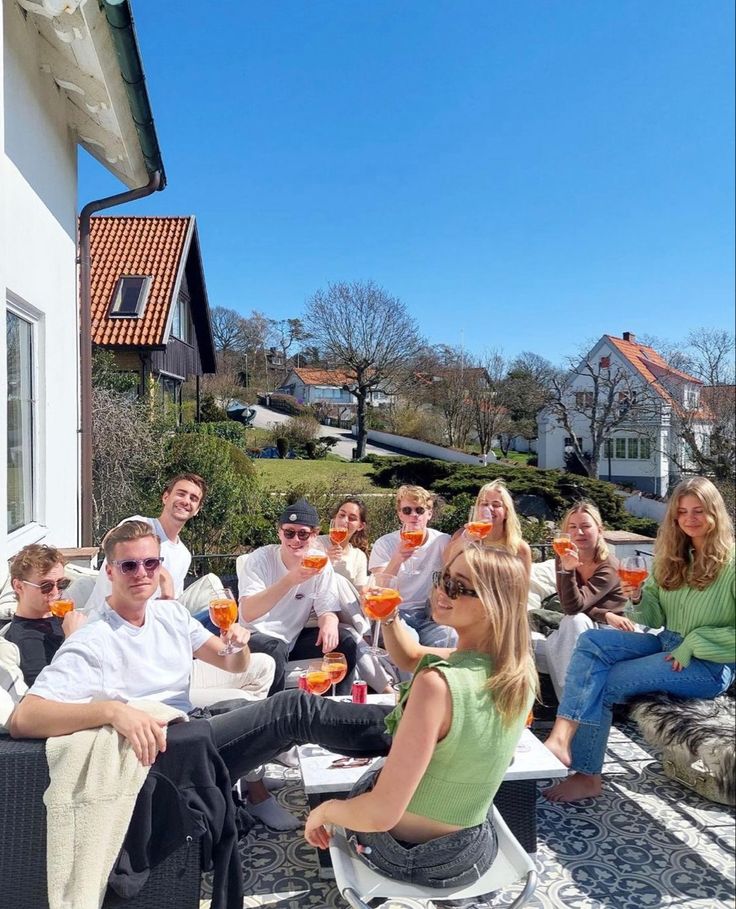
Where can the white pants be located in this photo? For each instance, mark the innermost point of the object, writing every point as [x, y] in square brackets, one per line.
[210, 685]
[553, 654]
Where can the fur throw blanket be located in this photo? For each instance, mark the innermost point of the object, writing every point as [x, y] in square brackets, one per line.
[695, 729]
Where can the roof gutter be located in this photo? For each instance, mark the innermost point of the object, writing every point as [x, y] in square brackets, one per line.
[122, 29]
[85, 341]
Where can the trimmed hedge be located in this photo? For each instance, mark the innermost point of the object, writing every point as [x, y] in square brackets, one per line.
[283, 404]
[229, 430]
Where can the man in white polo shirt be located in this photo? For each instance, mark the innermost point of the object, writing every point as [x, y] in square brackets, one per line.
[277, 596]
[414, 508]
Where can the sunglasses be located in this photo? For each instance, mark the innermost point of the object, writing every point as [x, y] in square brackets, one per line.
[129, 566]
[407, 509]
[345, 762]
[290, 533]
[452, 587]
[47, 587]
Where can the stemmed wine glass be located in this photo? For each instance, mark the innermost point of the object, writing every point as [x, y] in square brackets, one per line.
[317, 678]
[380, 599]
[632, 570]
[224, 613]
[562, 544]
[480, 523]
[339, 531]
[336, 666]
[315, 555]
[414, 537]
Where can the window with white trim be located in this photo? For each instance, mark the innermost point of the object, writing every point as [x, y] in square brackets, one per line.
[181, 325]
[631, 448]
[21, 419]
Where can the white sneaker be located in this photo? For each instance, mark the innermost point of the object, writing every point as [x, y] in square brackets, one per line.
[288, 758]
[273, 815]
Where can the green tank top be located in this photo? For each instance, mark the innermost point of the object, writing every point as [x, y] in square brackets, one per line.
[468, 765]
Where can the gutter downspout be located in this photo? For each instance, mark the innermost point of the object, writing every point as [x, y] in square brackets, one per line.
[85, 341]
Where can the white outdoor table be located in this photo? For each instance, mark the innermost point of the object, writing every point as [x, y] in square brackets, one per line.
[515, 799]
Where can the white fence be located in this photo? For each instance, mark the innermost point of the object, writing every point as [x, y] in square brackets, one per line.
[423, 449]
[641, 507]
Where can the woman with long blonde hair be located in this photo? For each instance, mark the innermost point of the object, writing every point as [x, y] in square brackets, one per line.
[588, 588]
[691, 594]
[496, 500]
[422, 816]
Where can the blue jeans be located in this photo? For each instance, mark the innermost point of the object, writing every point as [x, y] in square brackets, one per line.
[609, 666]
[429, 632]
[454, 860]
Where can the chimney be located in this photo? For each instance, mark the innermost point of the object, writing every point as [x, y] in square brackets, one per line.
[630, 336]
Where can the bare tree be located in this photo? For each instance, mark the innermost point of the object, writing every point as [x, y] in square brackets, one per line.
[524, 392]
[368, 333]
[611, 399]
[286, 332]
[227, 329]
[488, 409]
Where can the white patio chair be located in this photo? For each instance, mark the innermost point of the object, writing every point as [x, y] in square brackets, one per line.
[358, 883]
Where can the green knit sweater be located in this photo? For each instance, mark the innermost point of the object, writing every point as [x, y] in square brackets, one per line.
[468, 765]
[704, 618]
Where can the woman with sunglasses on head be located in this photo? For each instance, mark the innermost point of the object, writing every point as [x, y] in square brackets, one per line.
[495, 504]
[37, 578]
[691, 595]
[422, 816]
[391, 554]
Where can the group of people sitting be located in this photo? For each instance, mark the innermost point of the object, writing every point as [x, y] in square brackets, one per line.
[460, 638]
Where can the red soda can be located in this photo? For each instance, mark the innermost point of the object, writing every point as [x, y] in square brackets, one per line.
[360, 692]
[303, 681]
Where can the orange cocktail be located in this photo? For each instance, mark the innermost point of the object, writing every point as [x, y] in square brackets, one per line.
[314, 560]
[562, 547]
[413, 538]
[223, 613]
[478, 530]
[338, 535]
[318, 681]
[379, 604]
[633, 577]
[59, 608]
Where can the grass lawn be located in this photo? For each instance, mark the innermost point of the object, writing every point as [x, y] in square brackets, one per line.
[345, 476]
[519, 457]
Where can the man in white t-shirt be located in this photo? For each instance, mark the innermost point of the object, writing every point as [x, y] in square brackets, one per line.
[142, 647]
[414, 508]
[277, 595]
[182, 500]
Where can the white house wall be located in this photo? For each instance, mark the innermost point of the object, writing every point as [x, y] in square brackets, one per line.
[38, 189]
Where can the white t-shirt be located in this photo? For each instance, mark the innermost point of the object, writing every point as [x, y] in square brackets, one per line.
[289, 616]
[110, 659]
[176, 556]
[353, 565]
[414, 588]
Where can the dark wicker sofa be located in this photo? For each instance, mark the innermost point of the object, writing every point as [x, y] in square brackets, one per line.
[24, 778]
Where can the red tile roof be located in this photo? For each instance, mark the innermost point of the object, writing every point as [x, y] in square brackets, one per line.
[642, 358]
[323, 376]
[135, 246]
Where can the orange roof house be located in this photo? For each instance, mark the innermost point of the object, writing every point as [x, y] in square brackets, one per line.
[149, 298]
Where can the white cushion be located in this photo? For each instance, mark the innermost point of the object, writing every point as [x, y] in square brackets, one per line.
[198, 595]
[12, 686]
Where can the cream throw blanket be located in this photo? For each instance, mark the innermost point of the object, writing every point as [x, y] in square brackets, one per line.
[95, 780]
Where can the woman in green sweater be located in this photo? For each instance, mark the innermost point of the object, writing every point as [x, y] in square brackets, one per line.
[692, 595]
[422, 816]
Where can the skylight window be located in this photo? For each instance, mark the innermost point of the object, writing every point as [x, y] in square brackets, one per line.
[129, 298]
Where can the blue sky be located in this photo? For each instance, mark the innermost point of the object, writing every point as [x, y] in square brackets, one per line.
[523, 175]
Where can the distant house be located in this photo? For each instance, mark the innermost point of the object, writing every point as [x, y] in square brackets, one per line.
[149, 300]
[63, 85]
[327, 387]
[648, 396]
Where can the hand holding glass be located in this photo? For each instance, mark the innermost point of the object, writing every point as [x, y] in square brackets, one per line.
[59, 608]
[224, 613]
[562, 545]
[380, 599]
[413, 537]
[632, 570]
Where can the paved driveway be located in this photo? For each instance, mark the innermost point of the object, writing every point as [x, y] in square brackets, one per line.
[265, 418]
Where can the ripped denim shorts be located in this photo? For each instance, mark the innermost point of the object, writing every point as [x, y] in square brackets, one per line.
[454, 860]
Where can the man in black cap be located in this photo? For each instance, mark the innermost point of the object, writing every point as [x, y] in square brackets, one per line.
[278, 594]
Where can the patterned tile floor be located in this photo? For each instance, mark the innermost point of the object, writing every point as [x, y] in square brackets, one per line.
[647, 842]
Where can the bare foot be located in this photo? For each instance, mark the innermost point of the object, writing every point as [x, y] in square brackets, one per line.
[559, 748]
[575, 788]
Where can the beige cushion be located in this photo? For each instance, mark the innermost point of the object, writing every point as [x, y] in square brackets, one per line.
[12, 686]
[198, 595]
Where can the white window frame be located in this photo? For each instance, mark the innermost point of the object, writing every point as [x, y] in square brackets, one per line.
[35, 530]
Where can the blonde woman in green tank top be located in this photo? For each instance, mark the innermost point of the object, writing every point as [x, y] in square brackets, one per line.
[422, 816]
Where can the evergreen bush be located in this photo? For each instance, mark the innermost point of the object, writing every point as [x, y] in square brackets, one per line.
[229, 430]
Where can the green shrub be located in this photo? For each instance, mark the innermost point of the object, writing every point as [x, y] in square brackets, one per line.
[647, 527]
[399, 471]
[210, 412]
[283, 404]
[225, 429]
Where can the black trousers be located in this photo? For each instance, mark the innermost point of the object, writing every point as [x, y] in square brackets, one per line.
[250, 733]
[305, 648]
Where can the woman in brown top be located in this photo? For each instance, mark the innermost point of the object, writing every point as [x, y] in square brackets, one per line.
[588, 587]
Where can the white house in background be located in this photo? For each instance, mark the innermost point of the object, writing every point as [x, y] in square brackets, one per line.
[644, 450]
[61, 86]
[328, 387]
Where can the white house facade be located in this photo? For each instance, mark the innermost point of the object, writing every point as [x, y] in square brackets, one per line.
[642, 448]
[60, 86]
[327, 387]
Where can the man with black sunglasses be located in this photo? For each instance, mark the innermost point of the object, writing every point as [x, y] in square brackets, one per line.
[414, 508]
[37, 578]
[278, 594]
